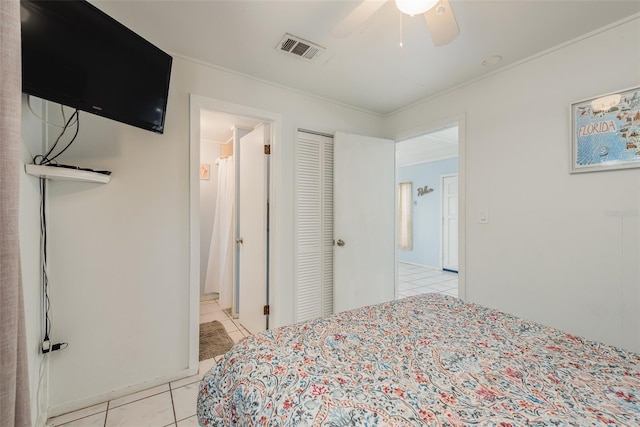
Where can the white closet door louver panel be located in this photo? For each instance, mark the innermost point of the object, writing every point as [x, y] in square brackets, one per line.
[308, 287]
[314, 226]
[308, 215]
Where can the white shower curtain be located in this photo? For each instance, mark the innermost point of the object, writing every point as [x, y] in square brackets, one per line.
[220, 266]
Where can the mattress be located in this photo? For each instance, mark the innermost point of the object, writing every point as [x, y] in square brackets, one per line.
[421, 361]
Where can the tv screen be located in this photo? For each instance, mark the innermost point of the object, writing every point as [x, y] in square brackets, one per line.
[76, 55]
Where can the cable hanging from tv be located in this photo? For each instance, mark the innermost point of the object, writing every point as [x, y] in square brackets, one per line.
[45, 159]
[47, 346]
[49, 159]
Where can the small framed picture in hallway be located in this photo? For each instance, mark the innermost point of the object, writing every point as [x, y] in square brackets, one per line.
[205, 170]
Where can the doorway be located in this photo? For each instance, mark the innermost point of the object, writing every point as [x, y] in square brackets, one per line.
[427, 245]
[219, 135]
[235, 230]
[236, 124]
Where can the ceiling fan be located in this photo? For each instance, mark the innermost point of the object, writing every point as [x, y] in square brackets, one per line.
[441, 22]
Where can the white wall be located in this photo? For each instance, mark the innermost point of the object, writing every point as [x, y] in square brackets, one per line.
[119, 253]
[209, 153]
[550, 252]
[426, 211]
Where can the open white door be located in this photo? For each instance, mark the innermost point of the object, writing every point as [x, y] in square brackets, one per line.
[252, 227]
[364, 221]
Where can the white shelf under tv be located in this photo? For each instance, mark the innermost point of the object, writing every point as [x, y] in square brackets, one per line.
[66, 174]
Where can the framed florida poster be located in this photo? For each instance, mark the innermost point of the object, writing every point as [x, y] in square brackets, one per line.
[606, 132]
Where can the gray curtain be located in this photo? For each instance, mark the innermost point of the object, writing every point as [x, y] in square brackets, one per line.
[14, 376]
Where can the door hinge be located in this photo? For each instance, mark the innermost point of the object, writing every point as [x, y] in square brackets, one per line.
[267, 149]
[266, 310]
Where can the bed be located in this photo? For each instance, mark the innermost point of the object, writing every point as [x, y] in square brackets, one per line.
[425, 360]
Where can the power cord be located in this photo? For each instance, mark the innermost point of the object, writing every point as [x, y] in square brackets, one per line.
[45, 159]
[42, 119]
[46, 341]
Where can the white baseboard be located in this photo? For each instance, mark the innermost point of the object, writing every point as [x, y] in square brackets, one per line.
[209, 297]
[420, 265]
[65, 408]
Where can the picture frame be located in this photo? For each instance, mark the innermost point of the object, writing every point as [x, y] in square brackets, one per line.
[605, 132]
[205, 171]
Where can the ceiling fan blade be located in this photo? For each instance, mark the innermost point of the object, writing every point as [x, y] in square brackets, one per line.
[356, 18]
[441, 23]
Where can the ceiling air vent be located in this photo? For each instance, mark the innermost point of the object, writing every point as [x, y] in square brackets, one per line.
[299, 47]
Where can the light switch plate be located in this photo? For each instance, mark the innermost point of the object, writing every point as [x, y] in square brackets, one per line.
[483, 216]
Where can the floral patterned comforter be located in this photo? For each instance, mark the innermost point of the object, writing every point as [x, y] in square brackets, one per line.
[425, 360]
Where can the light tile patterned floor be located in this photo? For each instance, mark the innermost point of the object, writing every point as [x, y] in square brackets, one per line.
[171, 404]
[417, 280]
[174, 404]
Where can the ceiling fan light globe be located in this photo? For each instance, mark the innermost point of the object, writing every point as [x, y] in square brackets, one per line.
[415, 7]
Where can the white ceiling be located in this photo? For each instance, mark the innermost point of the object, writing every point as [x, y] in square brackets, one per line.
[217, 127]
[367, 70]
[438, 145]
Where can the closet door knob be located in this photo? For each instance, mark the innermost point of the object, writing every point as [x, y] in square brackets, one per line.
[340, 242]
[240, 240]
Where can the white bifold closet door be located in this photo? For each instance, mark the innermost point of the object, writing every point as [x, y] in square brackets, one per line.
[313, 226]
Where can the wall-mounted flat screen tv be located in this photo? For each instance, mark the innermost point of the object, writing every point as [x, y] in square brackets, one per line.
[76, 55]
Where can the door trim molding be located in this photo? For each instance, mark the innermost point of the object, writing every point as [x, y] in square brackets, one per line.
[197, 103]
[441, 228]
[313, 132]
